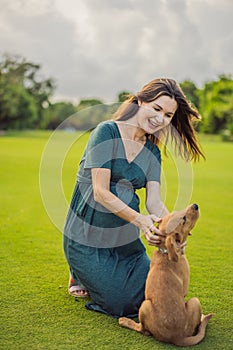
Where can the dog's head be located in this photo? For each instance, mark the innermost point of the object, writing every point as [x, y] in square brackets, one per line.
[176, 227]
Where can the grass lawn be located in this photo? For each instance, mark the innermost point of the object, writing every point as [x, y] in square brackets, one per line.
[36, 310]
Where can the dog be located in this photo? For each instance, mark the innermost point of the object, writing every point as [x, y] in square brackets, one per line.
[164, 312]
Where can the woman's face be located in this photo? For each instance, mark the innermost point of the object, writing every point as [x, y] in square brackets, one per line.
[155, 115]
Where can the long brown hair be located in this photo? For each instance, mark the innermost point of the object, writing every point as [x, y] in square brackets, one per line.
[180, 129]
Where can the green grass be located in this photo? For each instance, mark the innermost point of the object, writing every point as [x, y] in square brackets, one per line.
[37, 312]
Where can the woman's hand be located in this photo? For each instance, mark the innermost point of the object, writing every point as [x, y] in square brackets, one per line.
[146, 225]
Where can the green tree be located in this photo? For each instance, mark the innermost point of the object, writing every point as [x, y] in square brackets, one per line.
[216, 105]
[18, 109]
[191, 92]
[24, 95]
[56, 113]
[90, 113]
[123, 95]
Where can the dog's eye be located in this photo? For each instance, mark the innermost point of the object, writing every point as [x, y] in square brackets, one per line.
[184, 218]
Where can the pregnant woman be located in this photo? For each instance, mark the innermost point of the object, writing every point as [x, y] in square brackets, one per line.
[102, 244]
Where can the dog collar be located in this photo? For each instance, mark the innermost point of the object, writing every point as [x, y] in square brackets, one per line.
[163, 250]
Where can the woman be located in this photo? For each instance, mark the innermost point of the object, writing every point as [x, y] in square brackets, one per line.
[101, 236]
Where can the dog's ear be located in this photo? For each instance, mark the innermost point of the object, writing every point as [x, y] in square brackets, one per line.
[174, 222]
[173, 242]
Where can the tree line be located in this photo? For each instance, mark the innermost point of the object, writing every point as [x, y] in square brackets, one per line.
[26, 101]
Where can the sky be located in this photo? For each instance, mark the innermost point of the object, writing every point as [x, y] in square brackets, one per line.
[98, 48]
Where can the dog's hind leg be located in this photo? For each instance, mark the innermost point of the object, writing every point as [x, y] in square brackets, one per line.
[193, 308]
[147, 317]
[145, 312]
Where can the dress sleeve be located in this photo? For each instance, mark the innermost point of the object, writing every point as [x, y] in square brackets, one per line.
[100, 147]
[154, 169]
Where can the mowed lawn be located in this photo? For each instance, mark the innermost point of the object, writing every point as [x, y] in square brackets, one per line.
[36, 310]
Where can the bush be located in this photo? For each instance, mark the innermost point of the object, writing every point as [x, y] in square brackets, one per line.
[227, 134]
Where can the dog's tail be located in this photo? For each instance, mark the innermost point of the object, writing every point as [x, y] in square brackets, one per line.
[188, 341]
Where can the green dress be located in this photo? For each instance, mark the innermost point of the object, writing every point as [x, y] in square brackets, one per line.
[105, 252]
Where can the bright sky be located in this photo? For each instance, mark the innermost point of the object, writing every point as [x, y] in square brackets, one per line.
[97, 48]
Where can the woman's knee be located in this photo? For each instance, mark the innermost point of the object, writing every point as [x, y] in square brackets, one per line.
[124, 303]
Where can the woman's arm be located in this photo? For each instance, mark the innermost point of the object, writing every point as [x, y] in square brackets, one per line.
[103, 195]
[154, 203]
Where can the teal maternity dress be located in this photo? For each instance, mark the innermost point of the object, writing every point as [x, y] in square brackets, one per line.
[105, 252]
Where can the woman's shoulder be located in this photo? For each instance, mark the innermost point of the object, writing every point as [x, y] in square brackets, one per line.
[105, 130]
[108, 126]
[152, 147]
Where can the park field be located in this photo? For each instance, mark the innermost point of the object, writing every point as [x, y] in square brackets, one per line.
[36, 310]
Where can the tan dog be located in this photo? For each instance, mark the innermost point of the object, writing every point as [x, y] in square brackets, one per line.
[164, 312]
